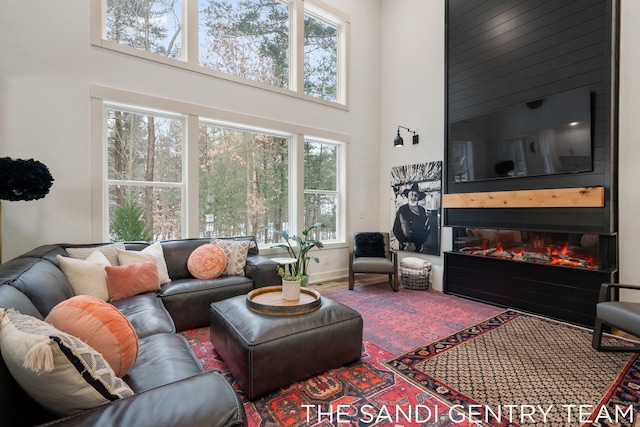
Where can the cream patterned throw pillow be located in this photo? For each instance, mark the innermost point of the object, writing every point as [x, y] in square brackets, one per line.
[87, 276]
[236, 252]
[58, 370]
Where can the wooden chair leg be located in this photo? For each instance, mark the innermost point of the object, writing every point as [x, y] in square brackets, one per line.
[393, 281]
[596, 341]
[394, 284]
[352, 278]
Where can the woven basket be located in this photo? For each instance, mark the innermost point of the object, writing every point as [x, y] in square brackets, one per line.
[415, 273]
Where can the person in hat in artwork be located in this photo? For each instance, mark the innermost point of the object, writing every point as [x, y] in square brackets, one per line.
[411, 226]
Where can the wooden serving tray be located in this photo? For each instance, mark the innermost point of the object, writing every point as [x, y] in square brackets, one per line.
[268, 300]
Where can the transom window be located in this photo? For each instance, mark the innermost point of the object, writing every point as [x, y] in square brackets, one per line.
[247, 39]
[255, 41]
[151, 25]
[320, 58]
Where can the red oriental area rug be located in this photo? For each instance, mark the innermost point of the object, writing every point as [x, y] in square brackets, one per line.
[401, 321]
[364, 393]
[516, 369]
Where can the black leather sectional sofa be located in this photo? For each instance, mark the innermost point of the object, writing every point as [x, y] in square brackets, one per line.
[170, 386]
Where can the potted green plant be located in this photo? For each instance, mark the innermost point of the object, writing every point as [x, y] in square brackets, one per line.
[290, 284]
[298, 248]
[287, 275]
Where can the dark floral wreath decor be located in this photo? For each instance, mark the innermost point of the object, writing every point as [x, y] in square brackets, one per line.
[23, 179]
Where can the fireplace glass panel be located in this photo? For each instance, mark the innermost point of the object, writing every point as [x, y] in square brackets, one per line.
[586, 251]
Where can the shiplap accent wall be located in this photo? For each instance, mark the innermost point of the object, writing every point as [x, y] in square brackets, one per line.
[504, 52]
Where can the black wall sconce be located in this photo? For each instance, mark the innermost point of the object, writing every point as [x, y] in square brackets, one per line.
[399, 142]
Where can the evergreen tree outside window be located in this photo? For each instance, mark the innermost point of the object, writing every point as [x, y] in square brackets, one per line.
[144, 167]
[320, 59]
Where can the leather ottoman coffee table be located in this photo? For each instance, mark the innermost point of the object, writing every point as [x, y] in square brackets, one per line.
[265, 352]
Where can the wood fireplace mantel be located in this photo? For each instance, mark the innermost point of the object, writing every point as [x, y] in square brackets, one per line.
[542, 198]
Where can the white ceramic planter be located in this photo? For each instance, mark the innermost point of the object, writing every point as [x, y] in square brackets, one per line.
[290, 290]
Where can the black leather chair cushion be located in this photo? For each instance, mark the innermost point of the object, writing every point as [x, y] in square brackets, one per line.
[205, 399]
[267, 352]
[176, 254]
[10, 297]
[40, 280]
[146, 313]
[179, 362]
[188, 300]
[624, 315]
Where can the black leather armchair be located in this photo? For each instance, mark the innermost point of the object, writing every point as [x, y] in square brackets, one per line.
[623, 315]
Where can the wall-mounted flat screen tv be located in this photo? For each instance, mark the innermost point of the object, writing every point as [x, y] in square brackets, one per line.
[545, 136]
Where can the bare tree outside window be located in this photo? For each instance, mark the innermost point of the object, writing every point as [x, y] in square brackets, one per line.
[321, 188]
[250, 39]
[149, 25]
[244, 175]
[244, 181]
[246, 38]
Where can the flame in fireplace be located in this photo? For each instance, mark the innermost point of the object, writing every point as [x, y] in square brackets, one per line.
[538, 253]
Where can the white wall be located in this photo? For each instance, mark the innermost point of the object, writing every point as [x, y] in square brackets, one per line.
[48, 65]
[629, 145]
[412, 94]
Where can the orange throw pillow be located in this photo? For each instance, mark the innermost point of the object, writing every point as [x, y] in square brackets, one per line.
[126, 281]
[207, 262]
[101, 326]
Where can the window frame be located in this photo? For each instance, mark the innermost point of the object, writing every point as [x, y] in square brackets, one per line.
[292, 143]
[135, 109]
[338, 192]
[322, 15]
[194, 115]
[190, 56]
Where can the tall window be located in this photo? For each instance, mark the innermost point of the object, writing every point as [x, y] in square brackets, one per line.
[321, 187]
[244, 180]
[243, 40]
[144, 176]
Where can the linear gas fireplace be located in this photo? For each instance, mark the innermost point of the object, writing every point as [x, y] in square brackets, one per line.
[553, 274]
[574, 250]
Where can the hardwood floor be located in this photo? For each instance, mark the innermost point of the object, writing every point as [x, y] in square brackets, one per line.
[339, 284]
